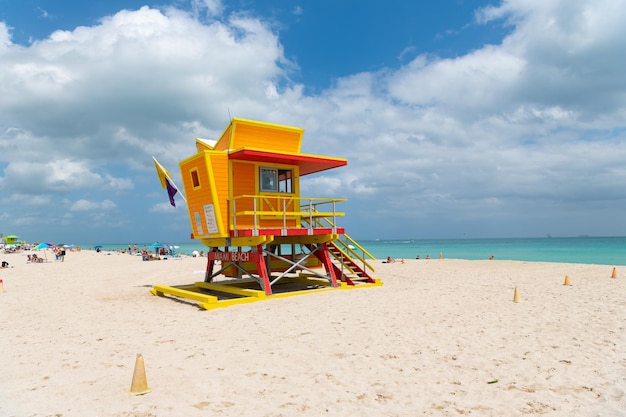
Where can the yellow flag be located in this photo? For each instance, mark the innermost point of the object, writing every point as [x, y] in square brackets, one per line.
[162, 173]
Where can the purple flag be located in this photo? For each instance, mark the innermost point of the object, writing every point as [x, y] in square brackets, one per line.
[171, 192]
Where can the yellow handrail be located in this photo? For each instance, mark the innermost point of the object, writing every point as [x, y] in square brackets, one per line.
[275, 207]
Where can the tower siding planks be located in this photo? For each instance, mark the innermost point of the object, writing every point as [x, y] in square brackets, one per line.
[211, 167]
[219, 163]
[262, 137]
[244, 183]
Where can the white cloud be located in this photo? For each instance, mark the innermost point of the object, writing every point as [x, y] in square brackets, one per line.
[136, 67]
[56, 176]
[43, 13]
[483, 80]
[5, 37]
[163, 207]
[86, 205]
[212, 8]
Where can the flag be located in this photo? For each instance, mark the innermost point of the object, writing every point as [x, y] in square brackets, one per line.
[171, 192]
[166, 182]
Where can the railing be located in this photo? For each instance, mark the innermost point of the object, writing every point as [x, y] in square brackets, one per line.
[265, 211]
[348, 246]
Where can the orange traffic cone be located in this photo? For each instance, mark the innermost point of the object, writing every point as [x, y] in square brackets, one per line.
[567, 282]
[614, 274]
[139, 385]
[402, 260]
[516, 297]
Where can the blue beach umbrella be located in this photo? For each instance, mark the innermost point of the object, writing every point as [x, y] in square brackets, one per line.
[43, 246]
[157, 245]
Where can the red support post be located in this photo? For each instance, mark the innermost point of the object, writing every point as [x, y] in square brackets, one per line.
[262, 271]
[324, 256]
[209, 266]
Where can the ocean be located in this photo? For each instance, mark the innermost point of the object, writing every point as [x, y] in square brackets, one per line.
[584, 249]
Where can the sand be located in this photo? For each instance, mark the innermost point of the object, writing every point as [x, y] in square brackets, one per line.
[440, 338]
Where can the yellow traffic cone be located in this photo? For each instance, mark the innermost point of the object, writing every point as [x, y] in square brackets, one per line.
[139, 385]
[516, 297]
[440, 255]
[614, 274]
[567, 282]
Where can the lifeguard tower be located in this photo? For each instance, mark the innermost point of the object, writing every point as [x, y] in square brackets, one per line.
[263, 238]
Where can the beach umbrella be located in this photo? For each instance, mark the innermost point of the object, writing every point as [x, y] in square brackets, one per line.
[44, 246]
[157, 245]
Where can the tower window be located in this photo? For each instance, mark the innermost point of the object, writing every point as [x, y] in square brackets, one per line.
[276, 180]
[285, 181]
[195, 180]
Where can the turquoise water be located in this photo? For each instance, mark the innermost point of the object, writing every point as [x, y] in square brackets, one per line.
[586, 250]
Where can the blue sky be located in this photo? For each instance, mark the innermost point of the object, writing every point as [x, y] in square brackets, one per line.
[458, 118]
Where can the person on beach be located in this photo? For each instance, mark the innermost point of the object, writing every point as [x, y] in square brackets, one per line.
[389, 260]
[34, 258]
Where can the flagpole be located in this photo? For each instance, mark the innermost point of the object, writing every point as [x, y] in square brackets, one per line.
[166, 174]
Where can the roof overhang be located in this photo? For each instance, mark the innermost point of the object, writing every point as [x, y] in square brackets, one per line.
[308, 164]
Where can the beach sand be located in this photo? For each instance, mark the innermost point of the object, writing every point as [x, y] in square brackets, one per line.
[439, 338]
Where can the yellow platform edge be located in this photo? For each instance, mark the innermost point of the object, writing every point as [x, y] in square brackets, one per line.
[210, 302]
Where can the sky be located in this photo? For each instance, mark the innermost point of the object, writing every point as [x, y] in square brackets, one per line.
[458, 118]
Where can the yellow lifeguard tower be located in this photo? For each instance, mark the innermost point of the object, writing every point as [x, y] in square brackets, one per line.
[244, 203]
